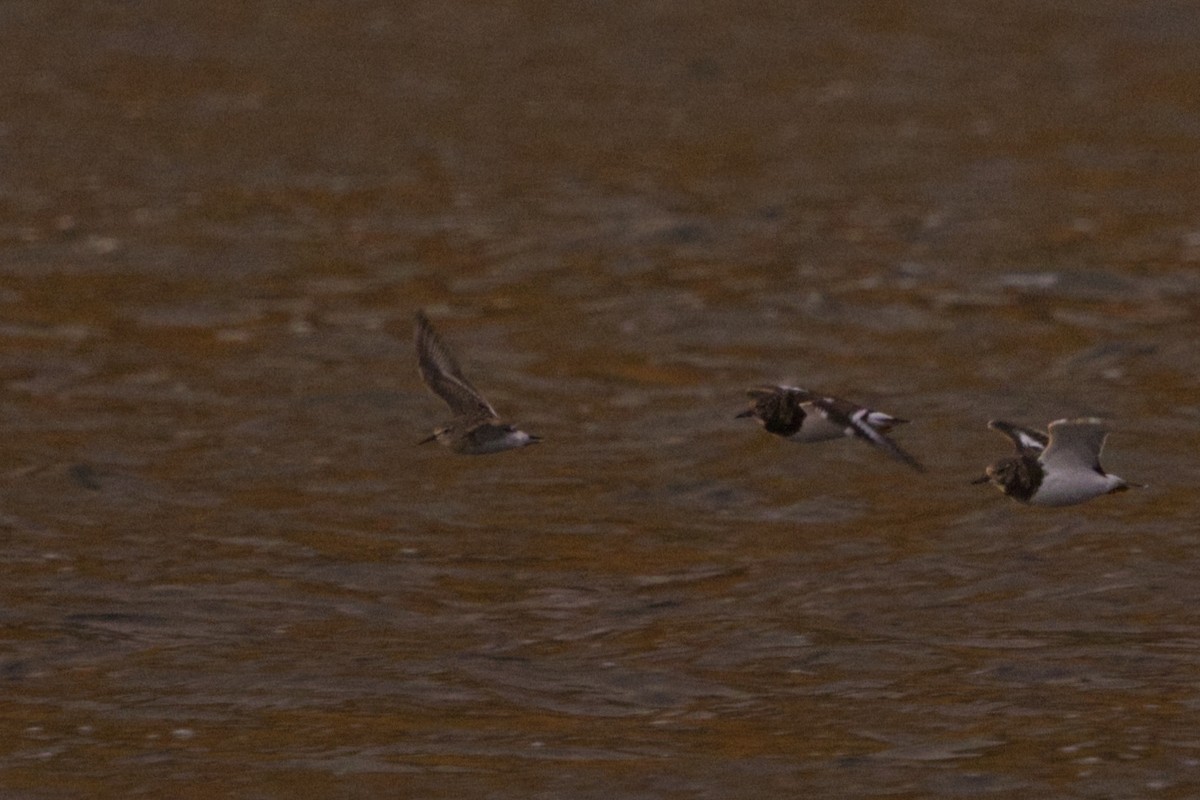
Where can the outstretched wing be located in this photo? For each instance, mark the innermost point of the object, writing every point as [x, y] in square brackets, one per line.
[1026, 440]
[443, 376]
[856, 420]
[1075, 444]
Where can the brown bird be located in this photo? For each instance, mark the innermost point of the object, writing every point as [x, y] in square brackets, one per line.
[476, 428]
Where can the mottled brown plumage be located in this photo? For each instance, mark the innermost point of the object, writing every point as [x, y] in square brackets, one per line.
[476, 428]
[1060, 468]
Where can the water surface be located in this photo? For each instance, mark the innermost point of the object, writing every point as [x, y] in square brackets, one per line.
[230, 572]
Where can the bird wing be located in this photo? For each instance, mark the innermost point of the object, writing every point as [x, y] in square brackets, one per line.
[443, 375]
[768, 393]
[854, 418]
[1026, 440]
[1075, 444]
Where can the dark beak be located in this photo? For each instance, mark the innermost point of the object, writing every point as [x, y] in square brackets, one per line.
[979, 480]
[748, 413]
[428, 439]
[534, 439]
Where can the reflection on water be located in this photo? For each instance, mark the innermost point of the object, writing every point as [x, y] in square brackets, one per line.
[230, 568]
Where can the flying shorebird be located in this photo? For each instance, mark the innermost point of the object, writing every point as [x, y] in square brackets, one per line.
[1059, 469]
[803, 416]
[476, 428]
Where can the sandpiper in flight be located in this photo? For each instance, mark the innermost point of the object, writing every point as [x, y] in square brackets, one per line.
[1059, 469]
[476, 428]
[804, 416]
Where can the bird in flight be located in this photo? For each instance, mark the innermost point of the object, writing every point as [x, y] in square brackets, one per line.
[1058, 468]
[803, 416]
[476, 428]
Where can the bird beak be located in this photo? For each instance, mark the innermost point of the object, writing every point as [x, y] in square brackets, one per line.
[747, 413]
[981, 479]
[534, 438]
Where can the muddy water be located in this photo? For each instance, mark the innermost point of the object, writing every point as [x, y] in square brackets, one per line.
[229, 572]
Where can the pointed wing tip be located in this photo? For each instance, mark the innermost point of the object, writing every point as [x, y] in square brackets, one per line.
[422, 329]
[1025, 439]
[905, 457]
[1006, 429]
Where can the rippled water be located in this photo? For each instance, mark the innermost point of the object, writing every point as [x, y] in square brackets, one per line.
[230, 572]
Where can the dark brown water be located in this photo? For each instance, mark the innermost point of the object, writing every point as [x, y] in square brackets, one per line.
[229, 572]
